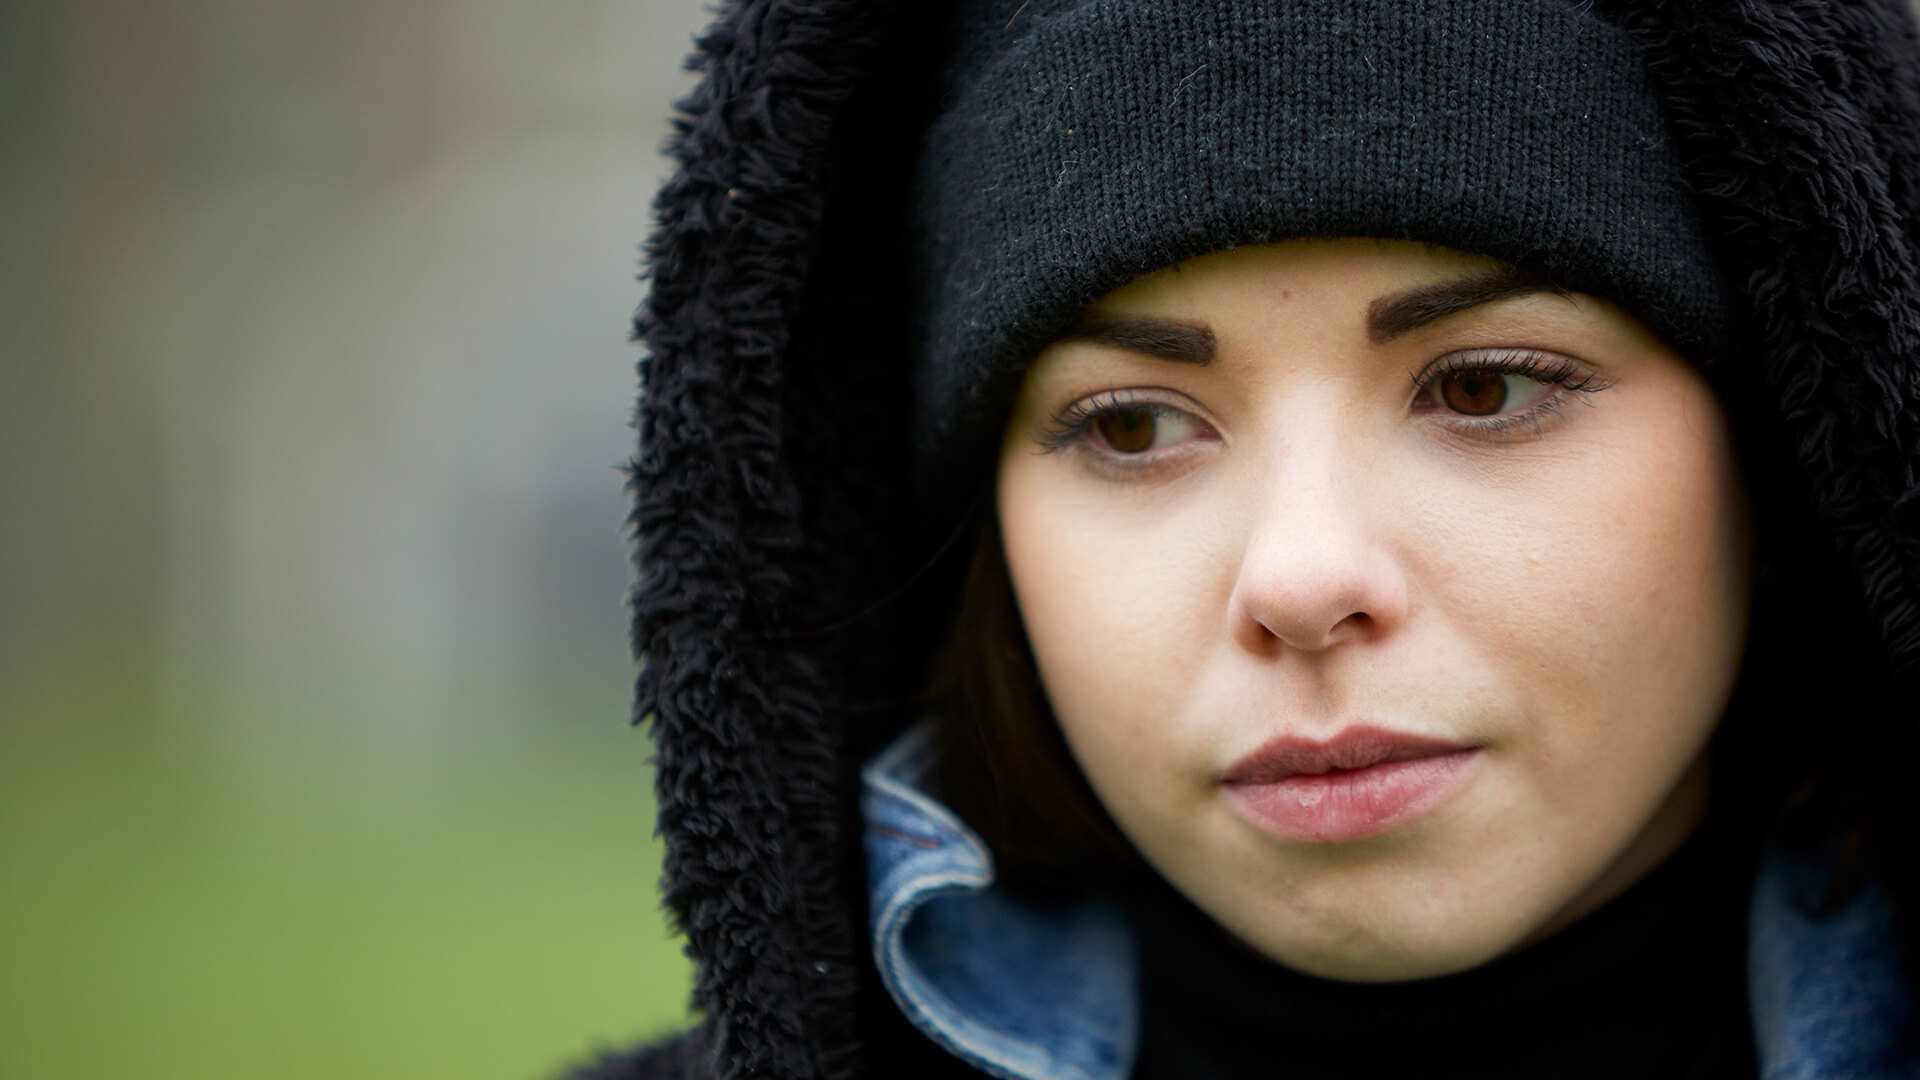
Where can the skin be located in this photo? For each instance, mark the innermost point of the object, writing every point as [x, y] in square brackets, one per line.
[1309, 544]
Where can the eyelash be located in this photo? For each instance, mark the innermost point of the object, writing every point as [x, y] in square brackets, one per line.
[1066, 427]
[1528, 363]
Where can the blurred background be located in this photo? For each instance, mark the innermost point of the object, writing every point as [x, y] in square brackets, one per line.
[314, 383]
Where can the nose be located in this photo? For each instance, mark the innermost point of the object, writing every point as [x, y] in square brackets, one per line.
[1318, 568]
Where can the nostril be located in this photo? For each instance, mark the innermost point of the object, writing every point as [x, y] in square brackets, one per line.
[1359, 624]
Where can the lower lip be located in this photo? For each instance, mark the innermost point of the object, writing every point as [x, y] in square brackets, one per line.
[1351, 804]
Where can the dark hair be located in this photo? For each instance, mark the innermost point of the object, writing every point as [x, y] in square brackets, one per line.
[1005, 768]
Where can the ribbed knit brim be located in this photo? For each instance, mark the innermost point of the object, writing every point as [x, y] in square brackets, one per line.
[1082, 144]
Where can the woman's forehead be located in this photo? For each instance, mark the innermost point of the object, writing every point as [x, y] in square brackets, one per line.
[1307, 260]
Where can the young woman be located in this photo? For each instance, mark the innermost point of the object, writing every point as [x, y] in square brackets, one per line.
[1231, 539]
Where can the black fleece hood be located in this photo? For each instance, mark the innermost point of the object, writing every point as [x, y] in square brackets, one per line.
[791, 590]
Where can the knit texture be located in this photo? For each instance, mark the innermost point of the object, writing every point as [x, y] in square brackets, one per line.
[1085, 143]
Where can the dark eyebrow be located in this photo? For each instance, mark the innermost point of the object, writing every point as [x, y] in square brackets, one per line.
[1399, 313]
[1388, 317]
[1168, 339]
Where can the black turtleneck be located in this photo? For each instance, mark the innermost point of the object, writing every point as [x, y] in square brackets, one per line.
[1652, 983]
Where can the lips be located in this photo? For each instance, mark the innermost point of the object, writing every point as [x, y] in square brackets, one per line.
[1353, 748]
[1363, 781]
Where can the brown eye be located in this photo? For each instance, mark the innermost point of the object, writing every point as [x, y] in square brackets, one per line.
[1114, 428]
[1475, 390]
[1129, 431]
[1475, 393]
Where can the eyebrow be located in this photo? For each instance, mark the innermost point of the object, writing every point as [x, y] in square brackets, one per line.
[1400, 313]
[1388, 317]
[1168, 339]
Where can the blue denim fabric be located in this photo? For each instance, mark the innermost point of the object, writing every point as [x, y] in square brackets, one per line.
[1828, 999]
[1050, 994]
[1014, 991]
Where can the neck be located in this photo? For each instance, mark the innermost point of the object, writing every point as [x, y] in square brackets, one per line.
[1658, 969]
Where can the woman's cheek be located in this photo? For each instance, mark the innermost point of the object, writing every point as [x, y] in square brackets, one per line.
[1111, 613]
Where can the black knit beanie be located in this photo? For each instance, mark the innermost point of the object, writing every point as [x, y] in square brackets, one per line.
[1081, 144]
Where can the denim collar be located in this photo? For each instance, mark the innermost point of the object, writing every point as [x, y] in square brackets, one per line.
[1029, 993]
[1828, 995]
[1015, 991]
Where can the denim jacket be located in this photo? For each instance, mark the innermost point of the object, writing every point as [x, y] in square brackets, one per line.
[1030, 994]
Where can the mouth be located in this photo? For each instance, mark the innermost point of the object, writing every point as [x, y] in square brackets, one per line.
[1357, 747]
[1362, 782]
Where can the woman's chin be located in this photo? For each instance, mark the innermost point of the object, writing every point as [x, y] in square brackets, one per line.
[1379, 959]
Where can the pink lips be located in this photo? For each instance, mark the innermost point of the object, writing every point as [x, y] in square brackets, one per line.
[1363, 781]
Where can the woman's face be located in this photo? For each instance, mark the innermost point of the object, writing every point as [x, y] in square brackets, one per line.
[1530, 583]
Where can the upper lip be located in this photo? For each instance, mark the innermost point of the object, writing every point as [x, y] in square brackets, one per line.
[1354, 747]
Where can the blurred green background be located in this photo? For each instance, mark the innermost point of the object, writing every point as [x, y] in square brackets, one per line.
[313, 658]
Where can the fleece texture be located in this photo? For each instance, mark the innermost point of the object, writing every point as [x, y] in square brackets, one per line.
[788, 595]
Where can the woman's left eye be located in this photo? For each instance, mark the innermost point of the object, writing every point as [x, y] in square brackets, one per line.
[1479, 388]
[1483, 393]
